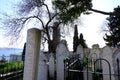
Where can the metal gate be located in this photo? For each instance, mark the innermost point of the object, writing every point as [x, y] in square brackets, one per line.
[74, 69]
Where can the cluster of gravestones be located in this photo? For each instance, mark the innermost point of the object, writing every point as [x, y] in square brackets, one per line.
[37, 65]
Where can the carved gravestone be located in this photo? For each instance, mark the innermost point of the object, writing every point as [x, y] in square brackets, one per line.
[107, 55]
[42, 67]
[61, 53]
[51, 66]
[116, 63]
[32, 54]
[80, 52]
[95, 54]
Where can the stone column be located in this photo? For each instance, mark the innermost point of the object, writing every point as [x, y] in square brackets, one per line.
[61, 53]
[32, 54]
[107, 55]
[51, 67]
[116, 63]
[80, 52]
[42, 67]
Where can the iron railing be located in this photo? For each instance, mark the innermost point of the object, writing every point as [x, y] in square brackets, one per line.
[74, 69]
[11, 69]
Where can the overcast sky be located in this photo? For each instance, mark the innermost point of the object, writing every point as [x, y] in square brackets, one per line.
[90, 27]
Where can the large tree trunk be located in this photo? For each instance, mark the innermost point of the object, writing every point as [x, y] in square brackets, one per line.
[52, 44]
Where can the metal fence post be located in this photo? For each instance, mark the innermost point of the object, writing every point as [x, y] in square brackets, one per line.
[118, 69]
[87, 69]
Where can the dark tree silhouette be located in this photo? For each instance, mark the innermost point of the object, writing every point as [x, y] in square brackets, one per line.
[82, 41]
[75, 39]
[113, 38]
[78, 40]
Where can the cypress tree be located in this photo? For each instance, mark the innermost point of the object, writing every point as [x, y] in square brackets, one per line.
[82, 41]
[75, 39]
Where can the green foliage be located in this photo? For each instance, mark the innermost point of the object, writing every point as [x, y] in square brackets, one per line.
[10, 67]
[69, 10]
[113, 39]
[3, 60]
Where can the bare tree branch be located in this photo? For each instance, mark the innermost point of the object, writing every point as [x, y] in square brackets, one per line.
[47, 10]
[51, 19]
[27, 18]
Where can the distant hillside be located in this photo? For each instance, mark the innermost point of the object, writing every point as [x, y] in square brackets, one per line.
[8, 51]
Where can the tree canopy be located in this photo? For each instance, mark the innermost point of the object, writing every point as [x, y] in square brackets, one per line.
[46, 16]
[50, 18]
[69, 10]
[113, 38]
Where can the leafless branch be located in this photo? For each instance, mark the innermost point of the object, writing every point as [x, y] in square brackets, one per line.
[50, 20]
[27, 18]
[14, 26]
[48, 10]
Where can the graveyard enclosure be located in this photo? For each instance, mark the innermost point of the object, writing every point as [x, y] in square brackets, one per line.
[85, 64]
